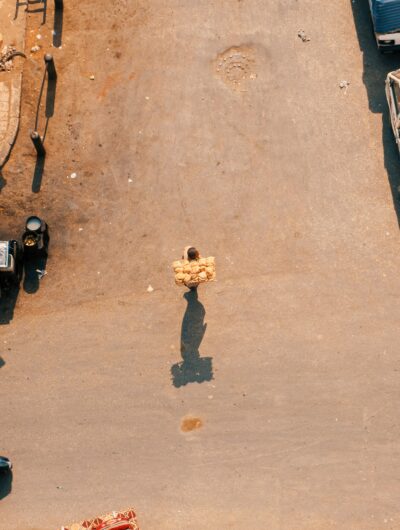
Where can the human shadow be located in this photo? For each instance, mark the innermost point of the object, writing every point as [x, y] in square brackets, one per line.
[376, 68]
[5, 484]
[34, 269]
[8, 301]
[193, 368]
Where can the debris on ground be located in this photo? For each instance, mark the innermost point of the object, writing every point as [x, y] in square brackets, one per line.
[35, 49]
[303, 35]
[344, 84]
[7, 55]
[150, 289]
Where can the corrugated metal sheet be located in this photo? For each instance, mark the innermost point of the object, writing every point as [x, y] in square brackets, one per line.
[386, 15]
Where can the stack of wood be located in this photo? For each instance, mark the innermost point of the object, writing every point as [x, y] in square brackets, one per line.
[195, 271]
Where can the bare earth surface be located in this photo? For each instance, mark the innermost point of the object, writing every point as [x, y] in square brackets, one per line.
[210, 123]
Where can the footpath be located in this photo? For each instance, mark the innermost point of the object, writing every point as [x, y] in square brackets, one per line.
[12, 34]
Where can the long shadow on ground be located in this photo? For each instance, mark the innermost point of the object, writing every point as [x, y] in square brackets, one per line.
[193, 368]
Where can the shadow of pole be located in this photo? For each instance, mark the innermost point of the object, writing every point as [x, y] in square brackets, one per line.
[376, 67]
[38, 173]
[193, 368]
[58, 26]
[49, 112]
[50, 99]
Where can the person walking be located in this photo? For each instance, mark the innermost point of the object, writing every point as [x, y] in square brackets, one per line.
[192, 269]
[191, 254]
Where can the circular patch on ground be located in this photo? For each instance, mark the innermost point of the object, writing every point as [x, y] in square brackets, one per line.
[191, 423]
[236, 65]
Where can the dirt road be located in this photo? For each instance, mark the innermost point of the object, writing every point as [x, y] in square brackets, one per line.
[209, 123]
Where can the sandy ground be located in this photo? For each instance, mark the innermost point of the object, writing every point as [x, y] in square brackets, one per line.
[207, 123]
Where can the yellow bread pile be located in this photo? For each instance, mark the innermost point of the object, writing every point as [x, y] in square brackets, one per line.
[193, 272]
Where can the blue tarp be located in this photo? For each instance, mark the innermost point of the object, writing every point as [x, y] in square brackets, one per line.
[386, 15]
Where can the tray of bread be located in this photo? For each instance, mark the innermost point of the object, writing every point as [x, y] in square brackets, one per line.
[195, 271]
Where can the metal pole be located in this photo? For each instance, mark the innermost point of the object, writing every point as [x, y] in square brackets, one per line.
[51, 69]
[38, 143]
[58, 4]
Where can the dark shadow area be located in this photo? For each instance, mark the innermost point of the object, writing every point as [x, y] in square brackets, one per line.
[49, 112]
[193, 368]
[50, 100]
[38, 174]
[8, 301]
[2, 362]
[19, 4]
[33, 268]
[3, 181]
[34, 3]
[376, 68]
[58, 27]
[5, 484]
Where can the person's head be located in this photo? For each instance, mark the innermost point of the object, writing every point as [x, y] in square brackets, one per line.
[192, 253]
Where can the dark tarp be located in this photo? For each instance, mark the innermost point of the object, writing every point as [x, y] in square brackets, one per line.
[386, 15]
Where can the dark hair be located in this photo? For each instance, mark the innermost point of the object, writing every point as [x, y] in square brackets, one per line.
[192, 253]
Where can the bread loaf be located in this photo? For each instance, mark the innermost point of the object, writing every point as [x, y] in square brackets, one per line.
[193, 272]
